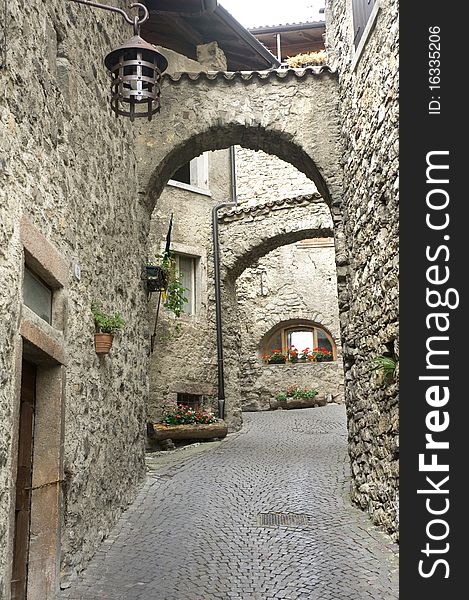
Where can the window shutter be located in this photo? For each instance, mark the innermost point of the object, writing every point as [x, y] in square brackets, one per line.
[361, 13]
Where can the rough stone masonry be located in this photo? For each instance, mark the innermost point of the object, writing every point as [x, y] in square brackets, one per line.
[368, 85]
[68, 166]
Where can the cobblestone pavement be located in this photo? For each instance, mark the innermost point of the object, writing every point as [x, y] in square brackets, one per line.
[194, 532]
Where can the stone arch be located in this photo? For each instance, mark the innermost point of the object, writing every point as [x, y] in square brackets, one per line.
[248, 233]
[293, 116]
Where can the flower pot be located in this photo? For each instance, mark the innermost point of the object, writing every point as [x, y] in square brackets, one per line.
[277, 361]
[292, 403]
[103, 342]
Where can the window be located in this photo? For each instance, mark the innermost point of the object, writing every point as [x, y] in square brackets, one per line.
[192, 400]
[193, 174]
[186, 267]
[37, 295]
[362, 10]
[301, 336]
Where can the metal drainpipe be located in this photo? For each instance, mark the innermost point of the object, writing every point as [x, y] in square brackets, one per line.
[279, 48]
[216, 268]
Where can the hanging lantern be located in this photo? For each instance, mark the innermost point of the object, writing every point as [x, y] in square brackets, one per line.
[136, 68]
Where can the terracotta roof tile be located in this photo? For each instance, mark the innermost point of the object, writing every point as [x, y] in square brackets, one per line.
[249, 75]
[275, 204]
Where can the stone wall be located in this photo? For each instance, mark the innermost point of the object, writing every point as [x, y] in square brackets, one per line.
[292, 283]
[185, 361]
[369, 309]
[262, 382]
[68, 165]
[262, 177]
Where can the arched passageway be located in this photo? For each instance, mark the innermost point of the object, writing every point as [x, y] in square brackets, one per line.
[292, 116]
[295, 118]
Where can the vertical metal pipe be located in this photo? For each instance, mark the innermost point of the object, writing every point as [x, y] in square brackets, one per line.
[234, 191]
[216, 273]
[279, 48]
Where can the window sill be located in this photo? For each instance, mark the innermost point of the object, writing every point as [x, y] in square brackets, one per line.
[366, 34]
[189, 188]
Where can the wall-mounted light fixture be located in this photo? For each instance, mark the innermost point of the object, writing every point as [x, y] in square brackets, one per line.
[136, 68]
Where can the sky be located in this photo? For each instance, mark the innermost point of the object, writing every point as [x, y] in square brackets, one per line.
[251, 13]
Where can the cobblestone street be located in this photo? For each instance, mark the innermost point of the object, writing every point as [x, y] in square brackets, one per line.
[197, 530]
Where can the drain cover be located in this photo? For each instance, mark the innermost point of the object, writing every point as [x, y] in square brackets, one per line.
[282, 520]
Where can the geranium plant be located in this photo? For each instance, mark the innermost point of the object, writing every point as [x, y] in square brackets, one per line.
[179, 414]
[292, 354]
[275, 357]
[320, 355]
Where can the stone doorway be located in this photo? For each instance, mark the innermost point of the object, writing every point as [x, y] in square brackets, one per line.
[36, 544]
[23, 482]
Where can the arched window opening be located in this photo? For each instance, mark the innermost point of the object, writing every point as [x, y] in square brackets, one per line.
[301, 341]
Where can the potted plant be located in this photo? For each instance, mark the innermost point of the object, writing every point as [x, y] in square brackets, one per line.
[106, 326]
[304, 355]
[281, 399]
[276, 357]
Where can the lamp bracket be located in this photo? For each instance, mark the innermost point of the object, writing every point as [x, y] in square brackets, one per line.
[135, 21]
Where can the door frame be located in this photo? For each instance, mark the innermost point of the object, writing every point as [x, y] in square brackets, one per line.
[47, 473]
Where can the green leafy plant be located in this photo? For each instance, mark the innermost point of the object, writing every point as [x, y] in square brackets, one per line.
[386, 366]
[309, 393]
[106, 323]
[292, 354]
[281, 397]
[294, 391]
[174, 298]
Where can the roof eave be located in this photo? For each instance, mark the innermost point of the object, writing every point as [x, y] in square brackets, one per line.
[289, 27]
[248, 37]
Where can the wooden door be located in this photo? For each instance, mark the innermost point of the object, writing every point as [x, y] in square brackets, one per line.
[23, 483]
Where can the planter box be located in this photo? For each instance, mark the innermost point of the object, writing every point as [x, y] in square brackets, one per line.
[298, 403]
[190, 432]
